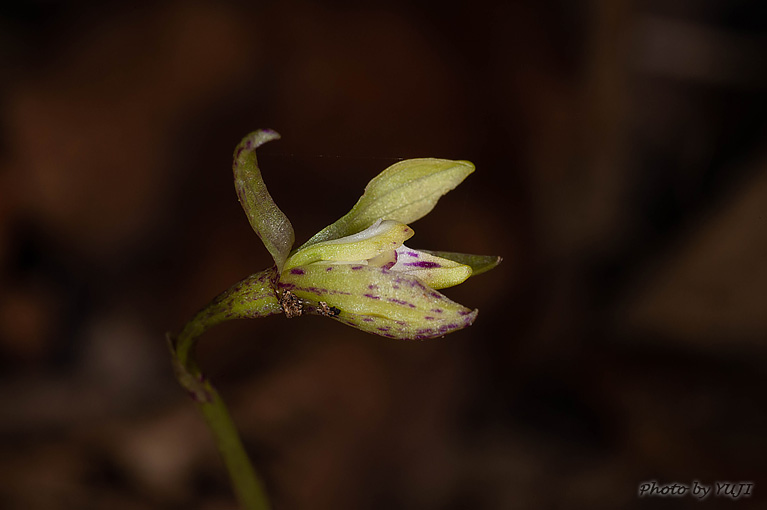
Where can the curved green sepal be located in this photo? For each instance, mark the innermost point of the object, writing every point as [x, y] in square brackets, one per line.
[479, 263]
[269, 222]
[404, 192]
[376, 300]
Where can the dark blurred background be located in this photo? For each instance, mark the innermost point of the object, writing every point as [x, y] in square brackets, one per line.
[621, 173]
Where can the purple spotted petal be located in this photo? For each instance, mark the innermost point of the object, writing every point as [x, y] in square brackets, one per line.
[378, 300]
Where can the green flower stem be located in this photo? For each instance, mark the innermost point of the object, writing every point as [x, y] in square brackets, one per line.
[246, 482]
[251, 298]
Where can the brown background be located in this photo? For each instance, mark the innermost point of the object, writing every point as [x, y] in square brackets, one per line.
[621, 172]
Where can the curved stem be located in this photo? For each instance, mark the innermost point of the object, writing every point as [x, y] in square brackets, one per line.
[251, 298]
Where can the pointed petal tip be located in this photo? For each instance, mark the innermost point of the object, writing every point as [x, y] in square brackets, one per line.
[270, 132]
[468, 164]
[439, 331]
[260, 137]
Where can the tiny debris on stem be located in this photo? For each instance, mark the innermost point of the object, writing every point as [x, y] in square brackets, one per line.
[328, 311]
[291, 305]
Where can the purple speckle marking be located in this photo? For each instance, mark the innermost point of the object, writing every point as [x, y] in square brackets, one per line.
[329, 268]
[436, 295]
[287, 285]
[429, 318]
[414, 254]
[371, 296]
[372, 286]
[395, 287]
[436, 310]
[383, 328]
[423, 263]
[367, 319]
[463, 312]
[297, 271]
[357, 268]
[453, 325]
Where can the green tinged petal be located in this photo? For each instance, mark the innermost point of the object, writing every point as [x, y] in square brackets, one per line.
[479, 263]
[269, 222]
[376, 300]
[383, 236]
[404, 192]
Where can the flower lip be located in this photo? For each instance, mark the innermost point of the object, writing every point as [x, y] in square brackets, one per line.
[436, 272]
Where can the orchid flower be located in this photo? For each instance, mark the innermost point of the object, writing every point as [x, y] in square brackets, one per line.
[357, 270]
